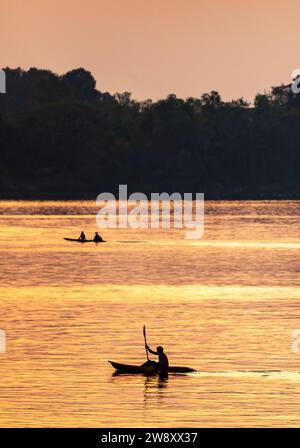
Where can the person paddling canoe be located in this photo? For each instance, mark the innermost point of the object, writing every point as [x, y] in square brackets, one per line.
[98, 238]
[163, 362]
[82, 236]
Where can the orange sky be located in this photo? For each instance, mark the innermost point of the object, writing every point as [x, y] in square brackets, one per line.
[156, 47]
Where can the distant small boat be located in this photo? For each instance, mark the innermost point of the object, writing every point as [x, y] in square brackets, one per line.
[76, 240]
[147, 370]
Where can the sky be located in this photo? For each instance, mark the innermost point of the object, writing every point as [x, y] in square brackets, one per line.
[156, 47]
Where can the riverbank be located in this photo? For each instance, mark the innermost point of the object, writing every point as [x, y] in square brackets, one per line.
[209, 196]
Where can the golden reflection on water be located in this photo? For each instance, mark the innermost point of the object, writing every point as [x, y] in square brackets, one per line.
[225, 305]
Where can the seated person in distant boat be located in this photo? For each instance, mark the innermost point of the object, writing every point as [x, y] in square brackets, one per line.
[98, 238]
[82, 236]
[163, 362]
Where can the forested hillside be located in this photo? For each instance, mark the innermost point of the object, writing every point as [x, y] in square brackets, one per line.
[61, 137]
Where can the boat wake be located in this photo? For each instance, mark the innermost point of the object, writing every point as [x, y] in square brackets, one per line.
[274, 374]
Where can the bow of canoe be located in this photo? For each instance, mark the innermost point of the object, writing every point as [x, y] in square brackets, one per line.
[125, 368]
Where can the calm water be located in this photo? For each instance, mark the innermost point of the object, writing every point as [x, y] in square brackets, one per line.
[225, 305]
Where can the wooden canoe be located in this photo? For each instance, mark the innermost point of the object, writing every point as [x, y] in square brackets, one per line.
[147, 370]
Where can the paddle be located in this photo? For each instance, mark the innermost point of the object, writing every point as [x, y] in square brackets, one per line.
[145, 338]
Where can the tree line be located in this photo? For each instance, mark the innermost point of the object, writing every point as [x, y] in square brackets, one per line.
[62, 137]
